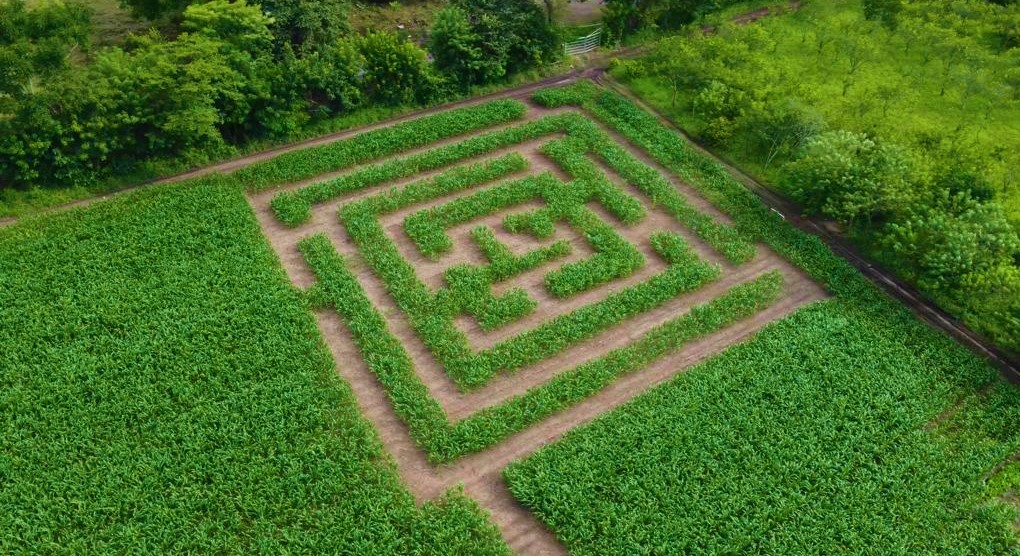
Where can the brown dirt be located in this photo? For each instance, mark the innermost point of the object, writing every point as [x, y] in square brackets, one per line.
[480, 473]
[583, 13]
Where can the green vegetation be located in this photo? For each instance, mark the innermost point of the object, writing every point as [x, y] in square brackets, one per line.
[472, 285]
[293, 208]
[899, 121]
[211, 79]
[176, 397]
[614, 256]
[480, 41]
[429, 426]
[813, 431]
[431, 314]
[308, 163]
[776, 427]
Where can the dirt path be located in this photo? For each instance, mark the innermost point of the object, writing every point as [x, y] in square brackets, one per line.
[480, 473]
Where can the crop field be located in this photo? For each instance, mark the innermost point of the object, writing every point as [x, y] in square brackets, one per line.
[552, 312]
[489, 277]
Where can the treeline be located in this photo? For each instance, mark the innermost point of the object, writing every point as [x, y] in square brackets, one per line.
[927, 202]
[226, 73]
[627, 17]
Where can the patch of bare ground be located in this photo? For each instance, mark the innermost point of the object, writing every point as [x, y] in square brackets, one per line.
[479, 473]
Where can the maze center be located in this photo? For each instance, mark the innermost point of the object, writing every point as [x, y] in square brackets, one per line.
[385, 264]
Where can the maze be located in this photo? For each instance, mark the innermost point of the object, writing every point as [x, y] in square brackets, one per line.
[491, 276]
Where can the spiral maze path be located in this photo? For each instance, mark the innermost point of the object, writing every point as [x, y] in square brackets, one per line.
[492, 276]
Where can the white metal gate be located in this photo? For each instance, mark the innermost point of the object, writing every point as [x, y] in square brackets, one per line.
[587, 43]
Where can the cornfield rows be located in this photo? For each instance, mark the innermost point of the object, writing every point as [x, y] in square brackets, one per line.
[490, 277]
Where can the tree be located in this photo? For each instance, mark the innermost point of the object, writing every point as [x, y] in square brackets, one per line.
[396, 71]
[851, 178]
[515, 34]
[308, 24]
[302, 24]
[886, 11]
[955, 237]
[457, 50]
[781, 128]
[333, 76]
[35, 44]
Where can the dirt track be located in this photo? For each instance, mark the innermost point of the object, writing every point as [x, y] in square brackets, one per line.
[480, 473]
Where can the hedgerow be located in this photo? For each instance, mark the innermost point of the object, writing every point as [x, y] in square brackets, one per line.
[429, 426]
[471, 286]
[575, 94]
[586, 136]
[310, 162]
[614, 256]
[503, 264]
[538, 223]
[431, 315]
[294, 207]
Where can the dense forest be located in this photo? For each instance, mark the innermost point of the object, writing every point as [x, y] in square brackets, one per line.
[207, 77]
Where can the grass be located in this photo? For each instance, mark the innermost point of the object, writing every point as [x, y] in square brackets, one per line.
[978, 116]
[165, 390]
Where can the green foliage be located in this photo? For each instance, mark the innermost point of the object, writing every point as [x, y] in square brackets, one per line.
[396, 70]
[215, 85]
[457, 52]
[157, 9]
[797, 430]
[443, 441]
[332, 76]
[538, 223]
[293, 208]
[510, 35]
[623, 17]
[852, 178]
[921, 114]
[36, 43]
[574, 94]
[308, 25]
[156, 357]
[886, 11]
[431, 315]
[503, 264]
[947, 243]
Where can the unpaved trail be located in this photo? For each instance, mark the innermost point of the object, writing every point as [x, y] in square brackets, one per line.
[480, 473]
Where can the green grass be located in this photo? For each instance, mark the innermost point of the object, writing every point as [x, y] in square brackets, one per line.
[163, 389]
[979, 116]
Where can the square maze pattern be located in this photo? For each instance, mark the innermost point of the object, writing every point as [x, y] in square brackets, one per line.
[489, 277]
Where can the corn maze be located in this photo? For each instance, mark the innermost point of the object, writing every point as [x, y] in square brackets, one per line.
[491, 276]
